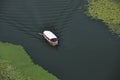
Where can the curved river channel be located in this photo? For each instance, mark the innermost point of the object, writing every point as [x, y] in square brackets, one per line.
[87, 50]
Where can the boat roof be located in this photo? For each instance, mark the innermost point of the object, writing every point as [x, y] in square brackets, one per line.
[49, 34]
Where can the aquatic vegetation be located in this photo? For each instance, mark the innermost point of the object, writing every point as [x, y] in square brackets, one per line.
[19, 66]
[7, 72]
[106, 10]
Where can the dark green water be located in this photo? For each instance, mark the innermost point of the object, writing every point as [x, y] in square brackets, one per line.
[87, 50]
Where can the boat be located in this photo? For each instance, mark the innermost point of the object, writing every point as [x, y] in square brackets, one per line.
[50, 37]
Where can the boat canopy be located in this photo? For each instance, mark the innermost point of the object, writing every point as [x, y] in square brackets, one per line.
[49, 34]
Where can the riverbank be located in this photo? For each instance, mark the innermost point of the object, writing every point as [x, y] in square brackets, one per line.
[21, 62]
[106, 10]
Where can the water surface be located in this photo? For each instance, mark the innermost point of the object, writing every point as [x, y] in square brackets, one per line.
[87, 50]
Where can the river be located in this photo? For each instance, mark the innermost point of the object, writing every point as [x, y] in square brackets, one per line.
[87, 50]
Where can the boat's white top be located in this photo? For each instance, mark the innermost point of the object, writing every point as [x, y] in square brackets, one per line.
[49, 34]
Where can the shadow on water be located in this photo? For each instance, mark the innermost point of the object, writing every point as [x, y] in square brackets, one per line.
[56, 19]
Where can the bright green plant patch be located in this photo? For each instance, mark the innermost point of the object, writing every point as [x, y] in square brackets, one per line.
[106, 10]
[22, 64]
